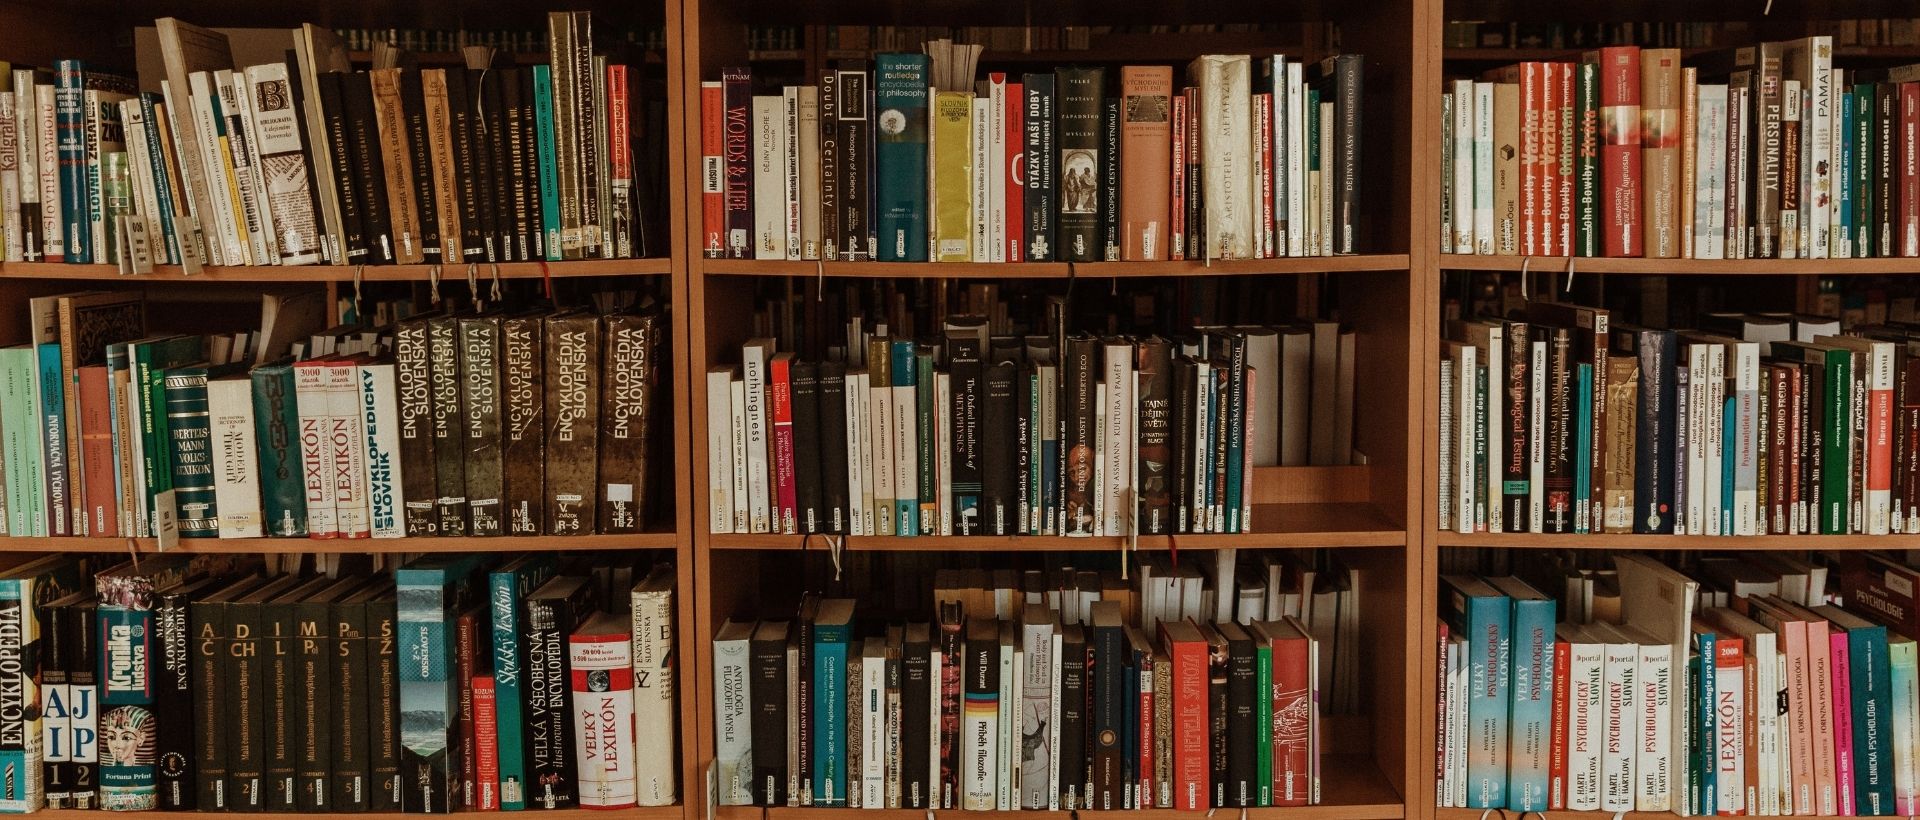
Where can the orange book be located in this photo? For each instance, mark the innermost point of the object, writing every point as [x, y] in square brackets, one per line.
[713, 182]
[1146, 149]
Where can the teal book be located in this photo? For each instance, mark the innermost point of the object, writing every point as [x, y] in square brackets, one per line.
[548, 162]
[1530, 712]
[507, 587]
[190, 434]
[906, 503]
[1729, 460]
[276, 431]
[1262, 716]
[70, 140]
[1485, 616]
[150, 358]
[1843, 191]
[900, 187]
[1583, 451]
[923, 377]
[1865, 148]
[832, 635]
[1872, 697]
[1706, 724]
[430, 592]
[52, 392]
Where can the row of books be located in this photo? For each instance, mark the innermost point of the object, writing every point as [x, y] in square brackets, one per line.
[510, 41]
[210, 683]
[1030, 706]
[1035, 167]
[971, 433]
[1766, 151]
[447, 423]
[1754, 424]
[1887, 31]
[1777, 700]
[304, 161]
[868, 39]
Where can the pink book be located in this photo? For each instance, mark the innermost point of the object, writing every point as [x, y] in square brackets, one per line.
[780, 397]
[1820, 674]
[1842, 721]
[1800, 717]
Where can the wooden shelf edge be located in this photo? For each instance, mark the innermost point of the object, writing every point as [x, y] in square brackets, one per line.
[508, 543]
[1682, 267]
[1522, 540]
[1055, 270]
[172, 274]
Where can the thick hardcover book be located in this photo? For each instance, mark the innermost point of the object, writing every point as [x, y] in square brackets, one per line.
[395, 158]
[626, 393]
[979, 713]
[419, 142]
[1154, 476]
[173, 694]
[655, 709]
[211, 628]
[430, 593]
[150, 359]
[1075, 657]
[191, 433]
[322, 696]
[368, 174]
[79, 619]
[524, 433]
[235, 463]
[732, 717]
[1038, 154]
[1653, 490]
[600, 655]
[341, 169]
[1241, 692]
[1146, 146]
[1079, 440]
[1478, 610]
[1081, 91]
[767, 682]
[1190, 770]
[552, 611]
[344, 640]
[900, 195]
[280, 670]
[832, 636]
[463, 132]
[736, 160]
[969, 391]
[1346, 72]
[346, 447]
[126, 698]
[918, 775]
[1620, 152]
[443, 170]
[833, 446]
[573, 353]
[385, 791]
[1109, 232]
[1107, 717]
[1560, 423]
[507, 587]
[244, 687]
[998, 502]
[487, 124]
[480, 403]
[449, 442]
[413, 381]
[809, 482]
[854, 158]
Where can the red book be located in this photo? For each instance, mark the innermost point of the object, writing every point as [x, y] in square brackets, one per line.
[465, 629]
[780, 397]
[1177, 221]
[1192, 768]
[486, 744]
[101, 512]
[620, 164]
[1263, 140]
[713, 170]
[1547, 219]
[1620, 151]
[1557, 745]
[1292, 715]
[1563, 203]
[1016, 169]
[1909, 140]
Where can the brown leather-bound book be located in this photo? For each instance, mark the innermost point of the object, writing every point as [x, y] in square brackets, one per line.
[1146, 148]
[480, 404]
[413, 375]
[449, 448]
[524, 445]
[625, 404]
[573, 420]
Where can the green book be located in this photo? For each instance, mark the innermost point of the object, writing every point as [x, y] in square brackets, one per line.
[21, 444]
[190, 435]
[1262, 715]
[900, 95]
[508, 586]
[276, 426]
[152, 357]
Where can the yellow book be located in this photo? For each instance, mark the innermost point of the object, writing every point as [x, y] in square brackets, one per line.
[951, 155]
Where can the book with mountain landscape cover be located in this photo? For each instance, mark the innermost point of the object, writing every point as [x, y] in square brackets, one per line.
[430, 592]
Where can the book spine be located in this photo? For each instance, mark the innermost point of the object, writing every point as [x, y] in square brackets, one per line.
[900, 96]
[210, 626]
[480, 411]
[346, 449]
[627, 388]
[655, 707]
[278, 433]
[235, 469]
[573, 356]
[314, 704]
[346, 663]
[384, 478]
[173, 703]
[854, 148]
[602, 687]
[427, 763]
[386, 792]
[1039, 154]
[1532, 699]
[523, 448]
[1080, 166]
[551, 776]
[449, 446]
[310, 392]
[99, 464]
[414, 386]
[486, 744]
[1620, 155]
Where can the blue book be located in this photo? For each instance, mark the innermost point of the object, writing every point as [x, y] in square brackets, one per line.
[549, 162]
[1871, 675]
[70, 146]
[1583, 454]
[1477, 610]
[1530, 714]
[507, 587]
[906, 482]
[429, 593]
[832, 635]
[900, 97]
[1706, 725]
[53, 438]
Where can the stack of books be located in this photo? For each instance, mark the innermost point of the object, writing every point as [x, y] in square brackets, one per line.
[1765, 151]
[912, 158]
[452, 422]
[1056, 690]
[306, 161]
[1736, 686]
[976, 432]
[220, 684]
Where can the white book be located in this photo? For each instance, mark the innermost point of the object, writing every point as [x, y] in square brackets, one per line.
[881, 438]
[1483, 167]
[732, 730]
[52, 230]
[1653, 761]
[869, 456]
[1203, 453]
[1746, 446]
[1494, 361]
[906, 459]
[1261, 117]
[943, 454]
[1716, 427]
[1730, 757]
[1117, 365]
[239, 158]
[980, 189]
[310, 398]
[140, 176]
[229, 248]
[1448, 437]
[720, 449]
[1047, 438]
[737, 419]
[1296, 161]
[1906, 724]
[380, 423]
[266, 247]
[1839, 241]
[753, 371]
[1035, 709]
[1817, 138]
[26, 135]
[769, 178]
[1100, 460]
[603, 729]
[855, 399]
[1466, 377]
[348, 446]
[1454, 785]
[1225, 91]
[1586, 706]
[289, 187]
[790, 167]
[1696, 437]
[937, 794]
[873, 725]
[1536, 452]
[997, 152]
[236, 473]
[1294, 388]
[1009, 706]
[979, 735]
[1710, 174]
[1263, 355]
[1619, 709]
[1323, 189]
[1462, 135]
[656, 710]
[810, 183]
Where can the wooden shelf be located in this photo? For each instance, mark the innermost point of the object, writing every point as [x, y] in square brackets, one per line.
[1057, 270]
[1684, 267]
[172, 274]
[1350, 524]
[509, 543]
[1524, 540]
[1475, 814]
[642, 813]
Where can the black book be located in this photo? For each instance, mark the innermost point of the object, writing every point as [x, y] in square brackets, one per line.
[173, 693]
[349, 722]
[853, 100]
[319, 700]
[1073, 718]
[1346, 73]
[527, 179]
[809, 481]
[1109, 713]
[552, 612]
[283, 687]
[767, 686]
[1078, 443]
[1223, 420]
[918, 776]
[1154, 474]
[480, 403]
[1038, 200]
[413, 383]
[1514, 417]
[413, 99]
[1561, 389]
[449, 440]
[462, 129]
[1185, 373]
[368, 175]
[514, 155]
[1241, 734]
[483, 97]
[211, 628]
[1219, 708]
[1082, 92]
[340, 155]
[298, 92]
[1110, 179]
[832, 377]
[79, 619]
[967, 377]
[997, 497]
[524, 429]
[1026, 494]
[54, 650]
[383, 702]
[1653, 473]
[1196, 207]
[244, 696]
